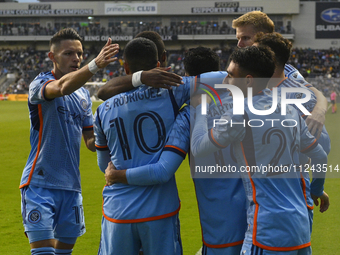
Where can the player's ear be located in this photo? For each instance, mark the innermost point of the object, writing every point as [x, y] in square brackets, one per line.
[51, 56]
[158, 64]
[127, 68]
[249, 80]
[163, 59]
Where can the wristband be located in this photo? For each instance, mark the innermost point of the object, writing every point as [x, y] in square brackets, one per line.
[136, 79]
[93, 68]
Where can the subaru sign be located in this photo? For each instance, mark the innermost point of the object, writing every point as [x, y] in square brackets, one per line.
[327, 20]
[331, 15]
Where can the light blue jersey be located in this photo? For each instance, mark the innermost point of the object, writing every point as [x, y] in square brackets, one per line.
[292, 73]
[54, 163]
[324, 139]
[126, 238]
[133, 128]
[277, 215]
[288, 83]
[173, 154]
[221, 198]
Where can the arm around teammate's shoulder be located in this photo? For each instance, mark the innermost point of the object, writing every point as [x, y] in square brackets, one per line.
[158, 77]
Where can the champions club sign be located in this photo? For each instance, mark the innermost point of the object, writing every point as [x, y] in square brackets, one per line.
[327, 20]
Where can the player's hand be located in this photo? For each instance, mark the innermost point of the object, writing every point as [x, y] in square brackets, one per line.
[315, 122]
[105, 56]
[159, 77]
[110, 174]
[324, 201]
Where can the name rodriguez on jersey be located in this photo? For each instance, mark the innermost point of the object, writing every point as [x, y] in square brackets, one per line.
[135, 97]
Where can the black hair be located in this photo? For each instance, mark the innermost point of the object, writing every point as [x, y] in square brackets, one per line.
[200, 60]
[141, 54]
[156, 38]
[282, 47]
[256, 61]
[65, 34]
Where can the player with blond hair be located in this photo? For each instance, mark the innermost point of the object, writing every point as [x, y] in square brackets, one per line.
[247, 26]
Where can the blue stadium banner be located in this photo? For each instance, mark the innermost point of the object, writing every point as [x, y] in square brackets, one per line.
[327, 20]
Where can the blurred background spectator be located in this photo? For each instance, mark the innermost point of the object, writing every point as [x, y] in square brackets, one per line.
[319, 67]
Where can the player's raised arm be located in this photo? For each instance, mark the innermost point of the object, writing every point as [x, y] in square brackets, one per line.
[158, 78]
[67, 56]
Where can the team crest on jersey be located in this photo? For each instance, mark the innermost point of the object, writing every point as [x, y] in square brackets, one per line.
[83, 104]
[299, 95]
[34, 216]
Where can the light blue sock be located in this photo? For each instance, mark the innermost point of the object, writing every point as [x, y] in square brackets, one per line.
[63, 252]
[43, 251]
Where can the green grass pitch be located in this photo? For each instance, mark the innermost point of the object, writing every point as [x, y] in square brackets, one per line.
[14, 149]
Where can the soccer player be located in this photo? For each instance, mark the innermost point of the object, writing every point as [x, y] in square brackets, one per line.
[277, 215]
[131, 130]
[333, 101]
[157, 77]
[221, 201]
[60, 114]
[247, 26]
[282, 49]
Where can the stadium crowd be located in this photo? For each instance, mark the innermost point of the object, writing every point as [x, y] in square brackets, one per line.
[120, 29]
[319, 67]
[130, 28]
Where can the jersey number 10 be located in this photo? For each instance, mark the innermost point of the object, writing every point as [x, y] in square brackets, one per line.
[139, 135]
